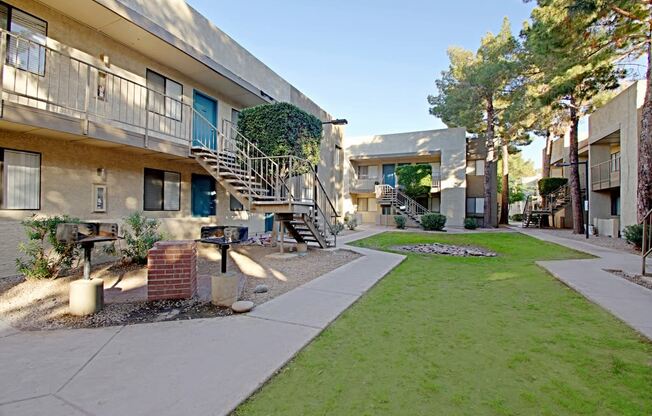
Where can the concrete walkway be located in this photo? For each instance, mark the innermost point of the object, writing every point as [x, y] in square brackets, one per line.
[202, 367]
[628, 301]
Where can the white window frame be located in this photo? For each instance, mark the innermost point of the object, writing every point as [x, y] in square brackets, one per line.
[163, 102]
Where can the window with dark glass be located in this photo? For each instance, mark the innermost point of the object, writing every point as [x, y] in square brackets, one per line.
[162, 190]
[235, 205]
[165, 95]
[26, 43]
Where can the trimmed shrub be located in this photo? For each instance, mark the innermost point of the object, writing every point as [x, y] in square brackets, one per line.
[338, 227]
[433, 221]
[282, 129]
[400, 221]
[351, 222]
[470, 223]
[45, 257]
[634, 235]
[517, 217]
[548, 185]
[140, 234]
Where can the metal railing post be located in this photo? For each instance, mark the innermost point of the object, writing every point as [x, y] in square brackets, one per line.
[87, 100]
[146, 117]
[3, 59]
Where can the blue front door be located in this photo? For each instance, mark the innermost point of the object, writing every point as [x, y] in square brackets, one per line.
[389, 177]
[204, 121]
[202, 192]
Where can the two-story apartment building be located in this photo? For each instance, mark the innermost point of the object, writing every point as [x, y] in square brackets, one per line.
[457, 168]
[614, 131]
[102, 103]
[611, 151]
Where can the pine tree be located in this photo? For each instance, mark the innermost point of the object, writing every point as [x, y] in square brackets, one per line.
[469, 92]
[572, 71]
[625, 27]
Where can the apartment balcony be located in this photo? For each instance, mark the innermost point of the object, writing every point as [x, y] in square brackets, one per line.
[605, 175]
[365, 184]
[50, 90]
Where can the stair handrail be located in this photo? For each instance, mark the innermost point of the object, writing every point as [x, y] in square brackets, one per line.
[413, 206]
[646, 244]
[254, 161]
[294, 167]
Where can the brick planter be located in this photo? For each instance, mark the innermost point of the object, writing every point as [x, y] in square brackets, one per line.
[172, 270]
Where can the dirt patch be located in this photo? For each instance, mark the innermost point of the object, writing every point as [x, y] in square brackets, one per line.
[43, 304]
[446, 250]
[639, 279]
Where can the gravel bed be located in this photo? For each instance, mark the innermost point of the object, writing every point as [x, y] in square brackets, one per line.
[602, 241]
[43, 304]
[640, 280]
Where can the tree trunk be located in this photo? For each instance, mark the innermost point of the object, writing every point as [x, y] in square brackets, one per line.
[504, 194]
[574, 180]
[644, 203]
[547, 157]
[489, 213]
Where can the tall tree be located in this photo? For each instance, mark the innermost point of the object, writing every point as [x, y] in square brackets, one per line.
[574, 71]
[626, 27]
[468, 94]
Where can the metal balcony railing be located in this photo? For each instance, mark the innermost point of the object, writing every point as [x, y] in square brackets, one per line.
[606, 174]
[41, 77]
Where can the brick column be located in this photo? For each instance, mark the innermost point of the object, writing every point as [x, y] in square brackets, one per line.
[172, 270]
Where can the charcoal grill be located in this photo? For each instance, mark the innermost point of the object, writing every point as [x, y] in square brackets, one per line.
[86, 234]
[223, 236]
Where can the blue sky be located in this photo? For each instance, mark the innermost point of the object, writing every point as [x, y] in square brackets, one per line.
[373, 62]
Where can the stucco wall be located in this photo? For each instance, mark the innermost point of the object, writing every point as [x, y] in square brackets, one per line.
[68, 172]
[450, 144]
[621, 114]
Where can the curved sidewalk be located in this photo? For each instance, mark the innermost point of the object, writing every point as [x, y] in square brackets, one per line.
[628, 301]
[202, 366]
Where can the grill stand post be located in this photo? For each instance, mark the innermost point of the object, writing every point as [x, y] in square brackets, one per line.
[87, 260]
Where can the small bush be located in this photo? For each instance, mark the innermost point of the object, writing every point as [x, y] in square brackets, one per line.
[634, 235]
[433, 221]
[338, 227]
[547, 185]
[517, 217]
[470, 223]
[400, 221]
[45, 256]
[140, 234]
[351, 222]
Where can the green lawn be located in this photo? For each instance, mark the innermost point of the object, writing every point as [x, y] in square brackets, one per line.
[467, 336]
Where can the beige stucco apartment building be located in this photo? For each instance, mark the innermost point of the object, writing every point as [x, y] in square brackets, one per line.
[611, 150]
[613, 156]
[101, 102]
[457, 163]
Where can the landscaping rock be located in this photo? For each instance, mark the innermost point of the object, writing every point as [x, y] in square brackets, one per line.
[447, 250]
[242, 306]
[261, 289]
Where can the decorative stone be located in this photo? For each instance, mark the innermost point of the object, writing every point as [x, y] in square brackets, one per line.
[261, 289]
[448, 250]
[242, 306]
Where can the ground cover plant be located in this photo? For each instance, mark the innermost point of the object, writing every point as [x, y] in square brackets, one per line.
[467, 336]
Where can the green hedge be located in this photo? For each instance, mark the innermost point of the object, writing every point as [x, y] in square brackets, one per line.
[433, 221]
[282, 129]
[547, 185]
[416, 180]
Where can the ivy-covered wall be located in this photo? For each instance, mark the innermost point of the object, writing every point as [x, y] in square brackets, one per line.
[281, 129]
